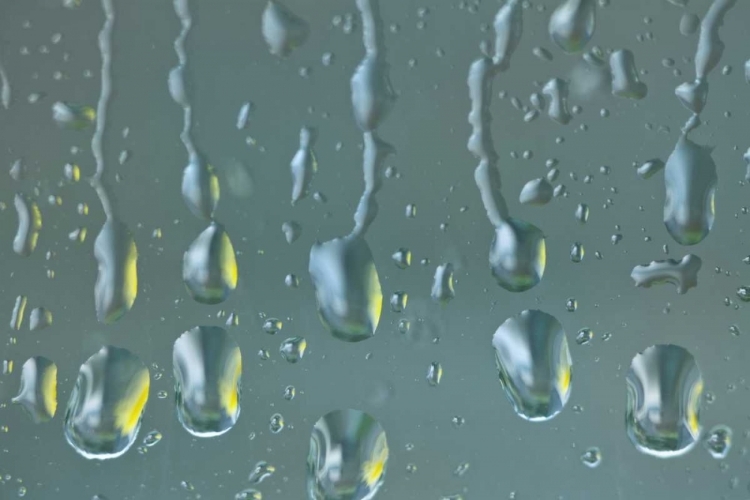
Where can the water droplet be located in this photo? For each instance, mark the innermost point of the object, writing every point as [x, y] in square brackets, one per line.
[29, 225]
[209, 266]
[689, 23]
[398, 301]
[743, 293]
[461, 469]
[261, 471]
[402, 258]
[348, 456]
[518, 255]
[71, 116]
[534, 364]
[152, 439]
[303, 164]
[39, 319]
[664, 396]
[19, 308]
[282, 29]
[347, 287]
[434, 374]
[556, 91]
[582, 213]
[276, 423]
[584, 336]
[272, 325]
[293, 349]
[592, 457]
[289, 392]
[650, 168]
[249, 494]
[625, 82]
[718, 441]
[200, 187]
[291, 280]
[508, 26]
[207, 369]
[106, 406]
[690, 181]
[243, 115]
[117, 280]
[442, 284]
[577, 252]
[693, 95]
[292, 230]
[411, 211]
[683, 273]
[572, 24]
[536, 192]
[38, 391]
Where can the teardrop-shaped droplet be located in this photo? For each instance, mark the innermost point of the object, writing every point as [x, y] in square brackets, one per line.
[508, 26]
[372, 93]
[348, 457]
[116, 285]
[690, 182]
[282, 29]
[536, 192]
[38, 391]
[572, 24]
[209, 266]
[664, 399]
[442, 284]
[518, 255]
[207, 370]
[200, 187]
[347, 287]
[104, 411]
[29, 225]
[304, 164]
[534, 363]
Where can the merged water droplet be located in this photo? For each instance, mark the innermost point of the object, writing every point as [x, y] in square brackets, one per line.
[347, 287]
[556, 91]
[29, 225]
[664, 399]
[518, 255]
[207, 370]
[104, 411]
[690, 182]
[718, 441]
[682, 273]
[282, 29]
[38, 391]
[200, 187]
[534, 364]
[116, 285]
[572, 24]
[348, 457]
[625, 81]
[209, 266]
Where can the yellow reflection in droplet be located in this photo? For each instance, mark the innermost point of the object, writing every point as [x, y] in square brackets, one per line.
[49, 389]
[128, 410]
[228, 389]
[229, 271]
[373, 469]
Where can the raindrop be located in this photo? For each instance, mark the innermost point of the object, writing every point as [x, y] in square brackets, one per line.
[572, 24]
[402, 258]
[19, 309]
[200, 187]
[592, 457]
[106, 406]
[39, 319]
[571, 304]
[209, 266]
[261, 472]
[282, 29]
[556, 91]
[650, 168]
[718, 441]
[276, 423]
[272, 325]
[116, 285]
[398, 301]
[442, 284]
[584, 336]
[625, 82]
[518, 255]
[681, 273]
[577, 252]
[243, 115]
[534, 364]
[207, 370]
[293, 349]
[508, 26]
[434, 374]
[582, 213]
[304, 164]
[71, 116]
[536, 192]
[29, 225]
[689, 23]
[348, 456]
[743, 293]
[289, 392]
[38, 391]
[292, 230]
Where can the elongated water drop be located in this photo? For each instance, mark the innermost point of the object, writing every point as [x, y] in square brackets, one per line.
[664, 398]
[518, 255]
[442, 284]
[649, 168]
[38, 391]
[39, 319]
[200, 187]
[625, 82]
[303, 165]
[29, 225]
[690, 182]
[534, 364]
[347, 287]
[72, 116]
[572, 24]
[682, 273]
[536, 192]
[348, 457]
[282, 29]
[207, 369]
[508, 29]
[556, 91]
[209, 266]
[104, 411]
[116, 285]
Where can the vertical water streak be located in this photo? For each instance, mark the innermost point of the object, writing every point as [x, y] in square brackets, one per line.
[4, 87]
[182, 10]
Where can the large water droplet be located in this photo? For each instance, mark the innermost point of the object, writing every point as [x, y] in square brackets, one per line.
[29, 225]
[372, 93]
[347, 287]
[690, 182]
[38, 391]
[682, 273]
[625, 82]
[282, 29]
[518, 255]
[348, 457]
[536, 192]
[116, 285]
[200, 187]
[572, 24]
[209, 266]
[534, 363]
[207, 370]
[104, 411]
[508, 29]
[664, 398]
